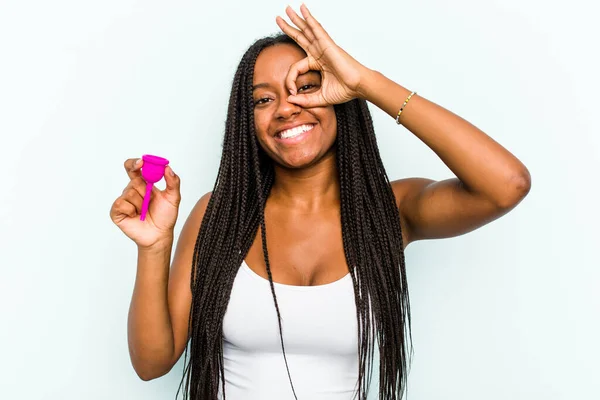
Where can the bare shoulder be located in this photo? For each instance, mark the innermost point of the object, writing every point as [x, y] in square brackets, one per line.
[179, 291]
[408, 187]
[404, 190]
[195, 218]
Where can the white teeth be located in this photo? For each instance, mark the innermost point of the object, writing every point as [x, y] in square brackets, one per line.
[290, 133]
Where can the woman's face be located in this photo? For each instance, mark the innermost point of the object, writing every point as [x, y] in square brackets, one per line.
[292, 136]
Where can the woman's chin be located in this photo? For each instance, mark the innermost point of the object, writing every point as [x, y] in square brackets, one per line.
[299, 160]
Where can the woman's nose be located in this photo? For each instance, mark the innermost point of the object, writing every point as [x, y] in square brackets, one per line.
[286, 109]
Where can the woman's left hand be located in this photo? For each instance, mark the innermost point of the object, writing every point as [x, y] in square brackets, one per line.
[341, 74]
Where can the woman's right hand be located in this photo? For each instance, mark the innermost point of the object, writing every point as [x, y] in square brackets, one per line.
[162, 211]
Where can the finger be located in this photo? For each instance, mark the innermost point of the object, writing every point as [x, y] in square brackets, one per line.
[173, 188]
[298, 68]
[122, 207]
[133, 167]
[134, 198]
[138, 184]
[300, 23]
[135, 192]
[293, 33]
[308, 100]
[314, 25]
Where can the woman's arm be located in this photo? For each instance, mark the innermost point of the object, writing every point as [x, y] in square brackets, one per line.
[490, 180]
[161, 301]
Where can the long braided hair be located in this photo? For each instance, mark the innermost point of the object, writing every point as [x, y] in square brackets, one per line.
[371, 234]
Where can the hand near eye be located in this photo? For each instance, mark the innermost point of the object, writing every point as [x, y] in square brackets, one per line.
[341, 74]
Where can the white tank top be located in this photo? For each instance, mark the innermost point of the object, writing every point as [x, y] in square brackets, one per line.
[320, 337]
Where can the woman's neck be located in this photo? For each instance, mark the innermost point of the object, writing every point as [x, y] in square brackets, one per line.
[310, 189]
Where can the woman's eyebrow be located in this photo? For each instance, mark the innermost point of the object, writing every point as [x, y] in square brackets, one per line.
[260, 85]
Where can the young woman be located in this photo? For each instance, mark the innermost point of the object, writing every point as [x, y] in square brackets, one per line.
[287, 274]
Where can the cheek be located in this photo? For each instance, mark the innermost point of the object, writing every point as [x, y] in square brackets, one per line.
[329, 122]
[334, 126]
[260, 126]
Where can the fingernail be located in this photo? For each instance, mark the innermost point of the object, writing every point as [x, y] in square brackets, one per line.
[171, 171]
[138, 161]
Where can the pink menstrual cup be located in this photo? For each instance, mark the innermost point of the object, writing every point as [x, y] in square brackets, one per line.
[153, 171]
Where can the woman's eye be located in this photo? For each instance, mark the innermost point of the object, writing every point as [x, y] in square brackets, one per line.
[305, 87]
[261, 101]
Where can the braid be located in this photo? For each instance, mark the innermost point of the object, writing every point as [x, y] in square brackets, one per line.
[263, 231]
[371, 235]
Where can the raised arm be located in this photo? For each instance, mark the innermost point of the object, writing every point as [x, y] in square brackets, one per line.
[489, 181]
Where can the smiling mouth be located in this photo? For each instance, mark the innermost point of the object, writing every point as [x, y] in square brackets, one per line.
[295, 132]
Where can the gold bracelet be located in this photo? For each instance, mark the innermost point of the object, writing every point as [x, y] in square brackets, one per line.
[402, 108]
